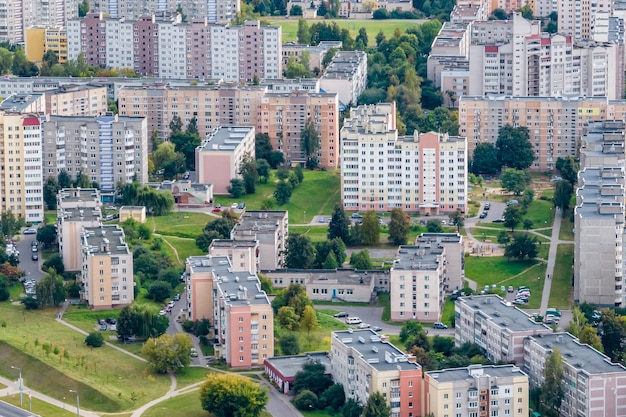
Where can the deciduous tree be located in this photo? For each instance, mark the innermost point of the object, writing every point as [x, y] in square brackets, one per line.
[230, 395]
[288, 319]
[568, 167]
[376, 406]
[289, 344]
[370, 228]
[310, 144]
[300, 252]
[514, 180]
[563, 192]
[50, 191]
[309, 321]
[512, 216]
[168, 353]
[399, 227]
[50, 290]
[613, 334]
[339, 225]
[513, 147]
[94, 339]
[312, 377]
[47, 234]
[522, 247]
[457, 220]
[551, 394]
[361, 260]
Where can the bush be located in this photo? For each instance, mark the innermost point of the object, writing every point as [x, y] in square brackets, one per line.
[159, 291]
[306, 400]
[289, 344]
[56, 263]
[30, 303]
[94, 339]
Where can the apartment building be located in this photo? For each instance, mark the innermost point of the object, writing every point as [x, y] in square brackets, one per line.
[77, 100]
[381, 171]
[454, 265]
[593, 386]
[114, 148]
[270, 229]
[498, 327]
[283, 117]
[76, 209]
[220, 156]
[106, 278]
[243, 254]
[599, 238]
[555, 124]
[418, 282]
[18, 15]
[164, 46]
[478, 390]
[213, 11]
[20, 135]
[239, 310]
[346, 75]
[365, 362]
[576, 17]
[316, 53]
[603, 144]
[41, 39]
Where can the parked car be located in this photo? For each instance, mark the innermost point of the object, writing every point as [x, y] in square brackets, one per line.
[241, 206]
[512, 202]
[356, 216]
[111, 320]
[341, 314]
[30, 231]
[499, 220]
[439, 325]
[34, 249]
[377, 329]
[216, 210]
[34, 257]
[322, 220]
[553, 312]
[363, 326]
[193, 353]
[487, 206]
[171, 304]
[510, 289]
[520, 301]
[483, 215]
[113, 327]
[353, 320]
[103, 327]
[177, 297]
[596, 315]
[162, 313]
[111, 208]
[233, 206]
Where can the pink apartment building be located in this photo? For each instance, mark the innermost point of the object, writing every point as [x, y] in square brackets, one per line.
[219, 157]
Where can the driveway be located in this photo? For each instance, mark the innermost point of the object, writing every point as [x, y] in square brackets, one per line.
[26, 263]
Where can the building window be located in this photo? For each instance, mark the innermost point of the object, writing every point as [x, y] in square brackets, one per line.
[240, 319]
[241, 330]
[241, 359]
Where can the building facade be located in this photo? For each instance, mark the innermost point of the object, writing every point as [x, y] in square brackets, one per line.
[423, 173]
[238, 308]
[41, 39]
[106, 278]
[270, 229]
[346, 75]
[77, 100]
[113, 148]
[18, 15]
[214, 11]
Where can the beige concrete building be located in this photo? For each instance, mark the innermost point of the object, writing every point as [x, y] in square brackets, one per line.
[346, 75]
[137, 213]
[498, 327]
[237, 307]
[220, 156]
[478, 390]
[107, 268]
[316, 53]
[76, 209]
[454, 267]
[365, 362]
[41, 39]
[270, 229]
[243, 254]
[113, 149]
[592, 385]
[77, 100]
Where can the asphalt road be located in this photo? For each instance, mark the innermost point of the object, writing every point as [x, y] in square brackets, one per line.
[8, 410]
[26, 263]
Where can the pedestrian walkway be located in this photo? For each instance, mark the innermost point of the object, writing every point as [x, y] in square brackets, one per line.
[554, 242]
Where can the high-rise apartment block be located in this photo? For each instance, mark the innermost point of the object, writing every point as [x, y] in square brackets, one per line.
[77, 100]
[478, 390]
[164, 46]
[18, 15]
[107, 268]
[214, 11]
[576, 18]
[423, 173]
[592, 385]
[108, 149]
[41, 39]
[346, 75]
[364, 362]
[239, 310]
[271, 229]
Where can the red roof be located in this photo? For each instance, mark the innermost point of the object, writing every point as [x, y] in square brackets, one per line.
[31, 121]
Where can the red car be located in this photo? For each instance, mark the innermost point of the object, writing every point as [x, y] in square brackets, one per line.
[217, 210]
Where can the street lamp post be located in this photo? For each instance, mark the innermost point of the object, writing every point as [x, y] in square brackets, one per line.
[19, 382]
[30, 402]
[77, 403]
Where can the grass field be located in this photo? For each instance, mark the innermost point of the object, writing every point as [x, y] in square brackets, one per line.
[319, 413]
[319, 340]
[567, 227]
[109, 381]
[43, 408]
[541, 213]
[190, 375]
[448, 312]
[180, 224]
[290, 27]
[50, 216]
[315, 233]
[561, 290]
[184, 246]
[489, 270]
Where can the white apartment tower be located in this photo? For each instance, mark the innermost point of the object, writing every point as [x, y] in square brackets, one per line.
[576, 17]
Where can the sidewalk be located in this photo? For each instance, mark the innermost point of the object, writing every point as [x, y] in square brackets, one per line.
[554, 241]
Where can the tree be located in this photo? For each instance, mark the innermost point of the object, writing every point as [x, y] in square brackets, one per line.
[334, 398]
[399, 227]
[126, 322]
[409, 330]
[47, 234]
[522, 247]
[306, 400]
[94, 339]
[563, 191]
[313, 377]
[376, 406]
[528, 197]
[309, 319]
[9, 224]
[370, 228]
[304, 34]
[485, 159]
[330, 262]
[282, 194]
[250, 173]
[22, 67]
[568, 167]
[339, 225]
[159, 291]
[289, 344]
[6, 61]
[362, 38]
[82, 180]
[434, 226]
[222, 226]
[300, 252]
[50, 191]
[204, 240]
[528, 224]
[578, 322]
[613, 335]
[50, 290]
[551, 393]
[236, 188]
[176, 125]
[64, 179]
[186, 143]
[512, 216]
[168, 353]
[361, 260]
[457, 219]
[351, 408]
[589, 335]
[166, 158]
[83, 8]
[514, 181]
[513, 147]
[310, 143]
[296, 69]
[55, 263]
[4, 288]
[498, 14]
[230, 395]
[288, 319]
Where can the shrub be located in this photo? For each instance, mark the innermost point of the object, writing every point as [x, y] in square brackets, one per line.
[306, 400]
[94, 339]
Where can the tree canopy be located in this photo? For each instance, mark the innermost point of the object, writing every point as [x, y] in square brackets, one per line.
[230, 395]
[513, 147]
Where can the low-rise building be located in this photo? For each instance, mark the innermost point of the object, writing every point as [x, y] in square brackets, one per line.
[592, 385]
[498, 327]
[137, 213]
[271, 229]
[221, 155]
[346, 75]
[282, 370]
[106, 278]
[365, 362]
[316, 53]
[478, 390]
[238, 308]
[187, 193]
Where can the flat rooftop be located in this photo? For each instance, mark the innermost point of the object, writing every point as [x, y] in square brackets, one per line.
[78, 195]
[79, 214]
[104, 239]
[493, 308]
[288, 366]
[335, 276]
[70, 88]
[380, 355]
[472, 372]
[582, 357]
[240, 288]
[424, 256]
[232, 243]
[226, 138]
[259, 221]
[19, 102]
[601, 193]
[439, 238]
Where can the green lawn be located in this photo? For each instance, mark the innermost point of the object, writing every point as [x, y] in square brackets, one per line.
[448, 312]
[493, 269]
[43, 408]
[541, 213]
[567, 227]
[190, 375]
[529, 279]
[317, 340]
[109, 381]
[180, 224]
[546, 232]
[290, 27]
[184, 246]
[561, 290]
[315, 233]
[50, 216]
[319, 413]
[384, 301]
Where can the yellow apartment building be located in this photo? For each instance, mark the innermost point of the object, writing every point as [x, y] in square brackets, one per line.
[40, 39]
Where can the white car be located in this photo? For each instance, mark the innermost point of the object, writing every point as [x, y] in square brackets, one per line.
[30, 231]
[363, 326]
[162, 313]
[233, 206]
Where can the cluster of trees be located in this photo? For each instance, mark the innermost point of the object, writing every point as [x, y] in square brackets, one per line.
[230, 395]
[13, 61]
[564, 189]
[154, 271]
[382, 14]
[294, 311]
[216, 229]
[50, 67]
[263, 149]
[288, 180]
[303, 254]
[185, 141]
[512, 150]
[157, 202]
[53, 185]
[141, 322]
[168, 353]
[315, 390]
